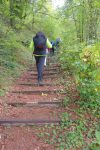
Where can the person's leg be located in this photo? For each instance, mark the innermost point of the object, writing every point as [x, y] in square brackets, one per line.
[53, 51]
[37, 64]
[40, 66]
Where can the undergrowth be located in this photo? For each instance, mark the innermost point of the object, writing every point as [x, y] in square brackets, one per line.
[71, 134]
[81, 133]
[83, 63]
[14, 55]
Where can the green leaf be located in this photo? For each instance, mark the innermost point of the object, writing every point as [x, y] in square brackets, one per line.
[97, 134]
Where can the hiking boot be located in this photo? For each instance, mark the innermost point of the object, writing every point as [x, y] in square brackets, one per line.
[40, 83]
[45, 65]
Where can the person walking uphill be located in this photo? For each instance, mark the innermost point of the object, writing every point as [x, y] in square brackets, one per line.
[40, 43]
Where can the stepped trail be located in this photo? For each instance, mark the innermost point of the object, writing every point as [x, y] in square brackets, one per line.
[28, 106]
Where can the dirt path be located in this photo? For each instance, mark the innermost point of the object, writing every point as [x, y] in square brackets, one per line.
[30, 115]
[27, 103]
[27, 107]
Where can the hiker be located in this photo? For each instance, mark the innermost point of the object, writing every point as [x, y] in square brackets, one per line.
[57, 43]
[53, 47]
[40, 43]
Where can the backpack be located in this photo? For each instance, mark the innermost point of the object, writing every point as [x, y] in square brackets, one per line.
[39, 41]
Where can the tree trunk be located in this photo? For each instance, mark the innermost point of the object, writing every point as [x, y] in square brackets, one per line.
[92, 35]
[11, 12]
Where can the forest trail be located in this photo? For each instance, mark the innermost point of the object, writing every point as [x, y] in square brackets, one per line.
[64, 113]
[28, 106]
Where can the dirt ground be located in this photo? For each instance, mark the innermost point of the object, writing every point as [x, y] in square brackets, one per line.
[27, 95]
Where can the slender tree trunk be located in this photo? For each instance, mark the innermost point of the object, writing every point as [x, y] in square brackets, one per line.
[11, 12]
[77, 33]
[82, 24]
[92, 21]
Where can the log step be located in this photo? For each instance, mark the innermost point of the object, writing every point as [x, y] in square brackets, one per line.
[44, 77]
[36, 84]
[46, 73]
[28, 122]
[32, 104]
[36, 92]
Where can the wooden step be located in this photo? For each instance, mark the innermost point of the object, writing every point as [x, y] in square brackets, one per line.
[17, 122]
[44, 77]
[36, 84]
[36, 92]
[46, 73]
[50, 68]
[34, 104]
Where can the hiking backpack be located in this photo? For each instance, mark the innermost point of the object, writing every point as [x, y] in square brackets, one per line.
[39, 41]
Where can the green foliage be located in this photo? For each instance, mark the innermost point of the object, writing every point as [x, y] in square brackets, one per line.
[78, 54]
[13, 56]
[95, 145]
[71, 134]
[65, 120]
[97, 134]
[84, 61]
[65, 102]
[88, 76]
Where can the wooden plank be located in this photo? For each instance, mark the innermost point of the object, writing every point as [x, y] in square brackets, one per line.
[36, 92]
[49, 68]
[17, 122]
[32, 104]
[36, 84]
[44, 77]
[46, 73]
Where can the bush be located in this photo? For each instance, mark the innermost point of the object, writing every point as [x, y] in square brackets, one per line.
[14, 57]
[84, 64]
